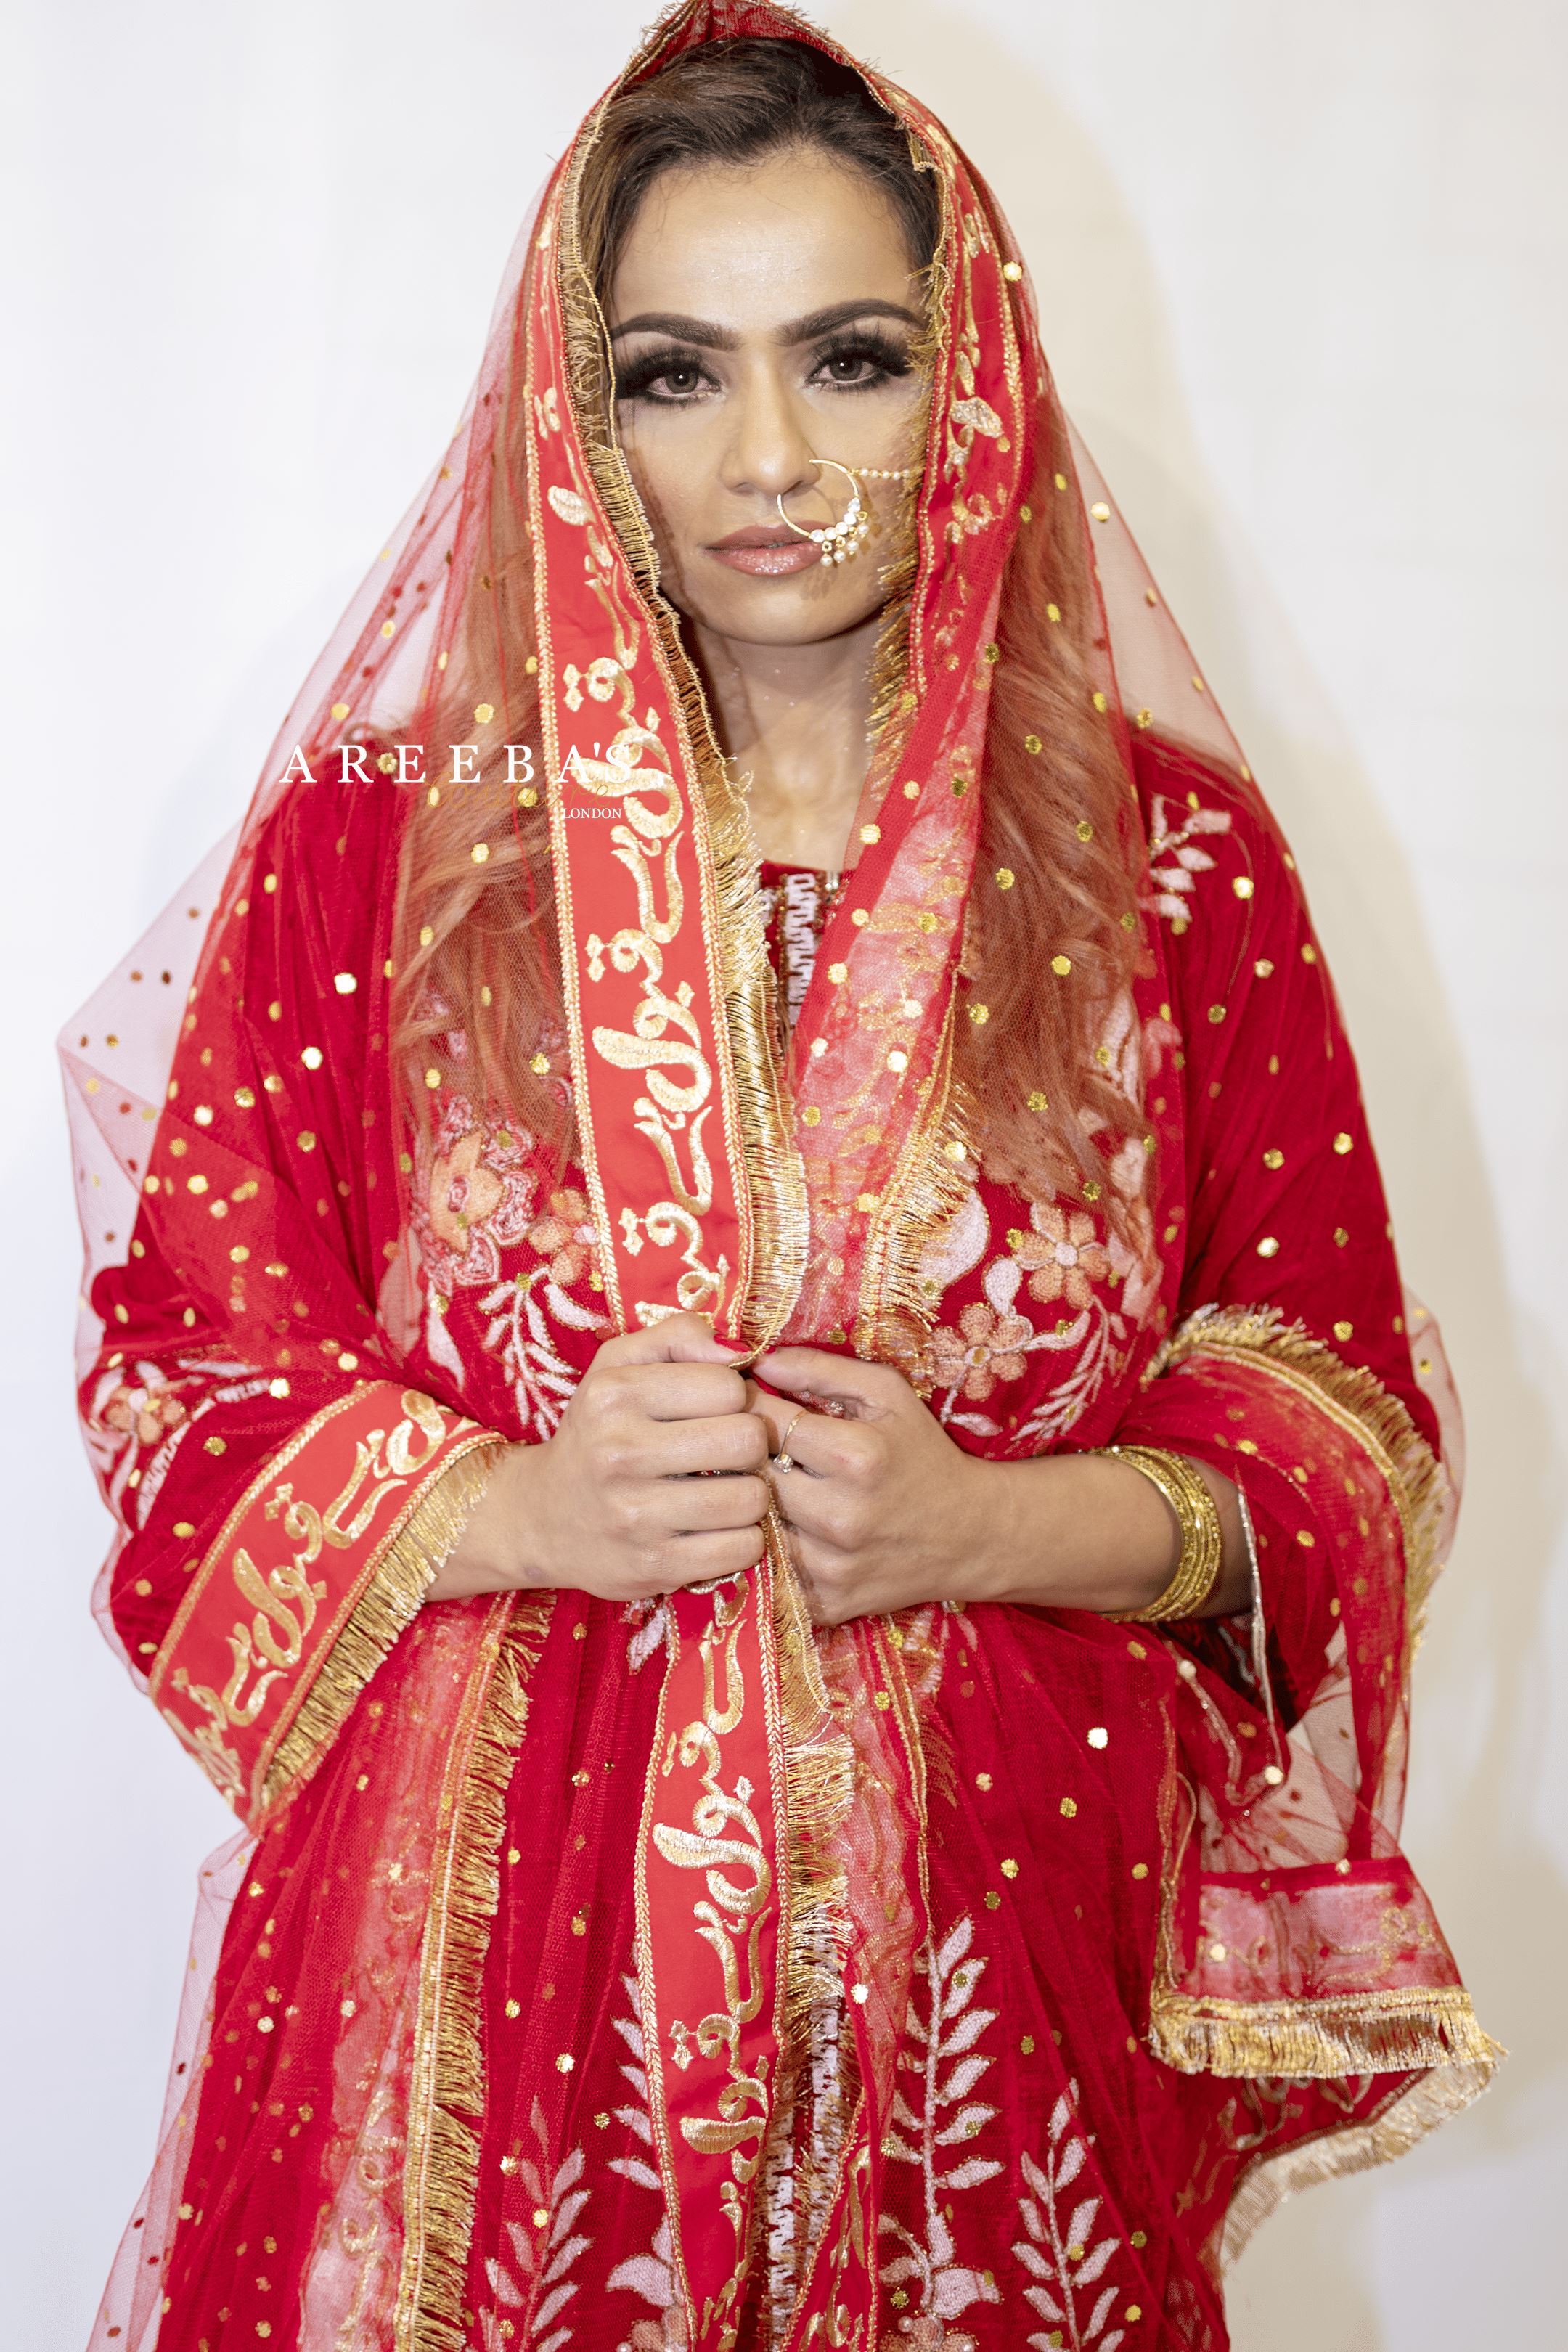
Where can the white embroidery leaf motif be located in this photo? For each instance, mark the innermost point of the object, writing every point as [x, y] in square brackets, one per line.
[1061, 2261]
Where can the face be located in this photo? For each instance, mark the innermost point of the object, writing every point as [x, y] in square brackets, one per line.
[762, 317]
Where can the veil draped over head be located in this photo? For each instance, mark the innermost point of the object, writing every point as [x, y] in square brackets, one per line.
[423, 1088]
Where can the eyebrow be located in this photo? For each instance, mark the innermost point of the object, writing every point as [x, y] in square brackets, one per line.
[713, 337]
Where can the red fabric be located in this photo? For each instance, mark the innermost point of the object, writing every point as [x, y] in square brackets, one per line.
[1124, 1921]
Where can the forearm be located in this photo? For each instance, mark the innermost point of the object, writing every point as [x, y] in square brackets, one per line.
[1086, 1531]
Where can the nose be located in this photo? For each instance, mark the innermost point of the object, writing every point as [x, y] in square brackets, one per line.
[768, 452]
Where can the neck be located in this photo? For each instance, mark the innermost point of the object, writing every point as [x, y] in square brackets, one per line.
[794, 719]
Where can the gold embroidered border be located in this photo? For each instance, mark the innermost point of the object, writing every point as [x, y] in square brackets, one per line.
[1378, 2032]
[413, 1553]
[756, 1104]
[217, 1551]
[1356, 1401]
[1405, 2118]
[440, 2174]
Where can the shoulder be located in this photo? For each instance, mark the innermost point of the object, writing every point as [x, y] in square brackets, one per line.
[1222, 884]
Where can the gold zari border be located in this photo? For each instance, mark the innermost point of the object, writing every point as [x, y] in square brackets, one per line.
[440, 2174]
[1394, 2132]
[1356, 1401]
[388, 1606]
[1381, 2032]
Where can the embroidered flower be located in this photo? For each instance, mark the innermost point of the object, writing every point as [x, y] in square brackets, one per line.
[1060, 1255]
[143, 1413]
[478, 1200]
[565, 1235]
[985, 1347]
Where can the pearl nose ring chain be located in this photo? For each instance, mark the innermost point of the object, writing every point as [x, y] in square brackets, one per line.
[843, 540]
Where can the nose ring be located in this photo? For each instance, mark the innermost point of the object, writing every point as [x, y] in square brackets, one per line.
[843, 540]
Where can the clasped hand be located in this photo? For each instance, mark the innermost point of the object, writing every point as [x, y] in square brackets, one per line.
[882, 1509]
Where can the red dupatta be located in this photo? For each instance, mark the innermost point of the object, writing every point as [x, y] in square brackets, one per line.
[281, 1375]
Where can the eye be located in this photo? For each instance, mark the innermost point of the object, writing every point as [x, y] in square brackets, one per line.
[664, 378]
[859, 361]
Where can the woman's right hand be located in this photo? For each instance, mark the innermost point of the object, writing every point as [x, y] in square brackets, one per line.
[609, 1505]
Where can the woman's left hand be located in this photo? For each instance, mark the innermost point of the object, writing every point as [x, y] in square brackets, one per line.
[884, 1511]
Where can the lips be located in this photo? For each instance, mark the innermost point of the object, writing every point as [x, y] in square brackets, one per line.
[766, 550]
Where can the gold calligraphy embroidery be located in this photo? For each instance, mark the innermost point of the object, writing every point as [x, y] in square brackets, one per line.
[284, 1599]
[732, 1922]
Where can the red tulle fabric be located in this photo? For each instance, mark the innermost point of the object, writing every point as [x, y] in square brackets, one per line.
[1126, 1947]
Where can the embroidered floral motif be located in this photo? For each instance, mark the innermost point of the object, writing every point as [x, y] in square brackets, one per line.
[1062, 2258]
[533, 2281]
[949, 2070]
[1060, 1255]
[1174, 856]
[985, 1347]
[565, 1236]
[477, 1201]
[144, 1410]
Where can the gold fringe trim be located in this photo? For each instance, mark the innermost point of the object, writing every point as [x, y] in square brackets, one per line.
[441, 2169]
[926, 1192]
[1384, 2033]
[1269, 2180]
[1357, 1402]
[774, 1179]
[410, 1563]
[819, 1785]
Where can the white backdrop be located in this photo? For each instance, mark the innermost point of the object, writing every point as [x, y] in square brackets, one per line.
[1301, 273]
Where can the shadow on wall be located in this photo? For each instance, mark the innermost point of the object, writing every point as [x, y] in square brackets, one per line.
[1313, 2277]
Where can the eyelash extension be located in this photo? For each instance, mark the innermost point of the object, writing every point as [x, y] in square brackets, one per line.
[858, 344]
[634, 380]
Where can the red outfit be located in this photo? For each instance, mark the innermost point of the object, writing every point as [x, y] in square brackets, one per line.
[1117, 1944]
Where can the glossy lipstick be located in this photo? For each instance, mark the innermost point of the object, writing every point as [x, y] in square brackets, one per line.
[767, 551]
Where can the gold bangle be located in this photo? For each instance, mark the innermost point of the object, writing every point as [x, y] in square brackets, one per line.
[1203, 1540]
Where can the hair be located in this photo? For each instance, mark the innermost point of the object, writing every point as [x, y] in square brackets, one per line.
[478, 946]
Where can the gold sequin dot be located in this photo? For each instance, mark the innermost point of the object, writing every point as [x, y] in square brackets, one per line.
[1098, 1737]
[1216, 1012]
[1069, 1809]
[882, 1701]
[818, 1047]
[898, 1059]
[838, 973]
[870, 832]
[992, 1900]
[1100, 702]
[1032, 743]
[1053, 611]
[1341, 1238]
[1308, 953]
[527, 797]
[1268, 1246]
[479, 852]
[432, 1079]
[1084, 830]
[344, 982]
[1035, 1100]
[1060, 480]
[912, 790]
[514, 2008]
[811, 1116]
[1061, 965]
[1343, 1143]
[1273, 1775]
[386, 762]
[484, 712]
[540, 1064]
[1134, 2311]
[982, 1780]
[1217, 1951]
[1011, 271]
[980, 1015]
[1101, 511]
[1274, 1160]
[340, 710]
[565, 2062]
[541, 2215]
[1343, 1330]
[1140, 1870]
[312, 1057]
[1005, 877]
[425, 935]
[1009, 1868]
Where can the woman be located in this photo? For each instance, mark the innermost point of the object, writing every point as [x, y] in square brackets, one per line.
[761, 1409]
